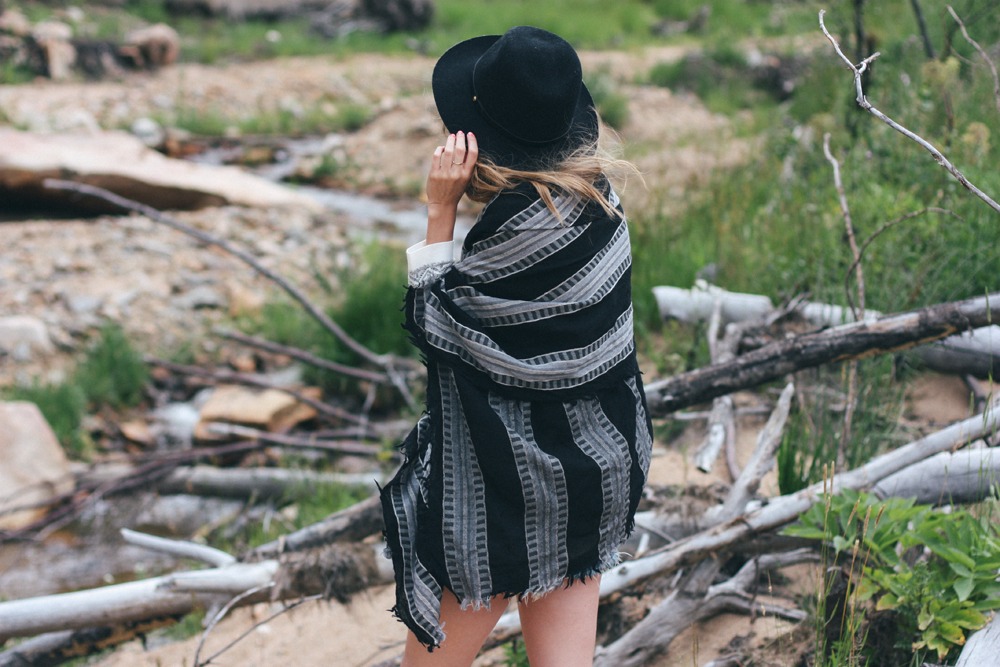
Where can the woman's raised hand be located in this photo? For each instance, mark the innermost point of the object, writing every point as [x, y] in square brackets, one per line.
[451, 171]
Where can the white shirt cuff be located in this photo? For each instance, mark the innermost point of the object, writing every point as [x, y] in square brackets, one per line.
[425, 263]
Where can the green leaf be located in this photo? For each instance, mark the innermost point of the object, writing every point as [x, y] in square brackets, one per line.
[951, 632]
[887, 601]
[964, 588]
[924, 619]
[969, 619]
[961, 570]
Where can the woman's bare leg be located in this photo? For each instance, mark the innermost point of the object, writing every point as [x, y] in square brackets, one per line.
[560, 629]
[466, 631]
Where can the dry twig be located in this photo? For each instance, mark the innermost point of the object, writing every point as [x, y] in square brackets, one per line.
[303, 356]
[852, 366]
[989, 63]
[867, 106]
[210, 239]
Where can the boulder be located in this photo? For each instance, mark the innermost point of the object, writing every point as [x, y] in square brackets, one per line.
[152, 46]
[121, 163]
[15, 23]
[33, 466]
[270, 409]
[24, 332]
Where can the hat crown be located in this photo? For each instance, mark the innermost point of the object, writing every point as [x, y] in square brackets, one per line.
[528, 84]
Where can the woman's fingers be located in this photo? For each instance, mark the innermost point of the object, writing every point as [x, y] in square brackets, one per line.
[458, 157]
[472, 152]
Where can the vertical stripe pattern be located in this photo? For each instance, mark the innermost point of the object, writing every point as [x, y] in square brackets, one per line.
[463, 502]
[597, 437]
[546, 506]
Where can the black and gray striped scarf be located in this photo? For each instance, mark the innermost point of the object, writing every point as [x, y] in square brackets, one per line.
[540, 304]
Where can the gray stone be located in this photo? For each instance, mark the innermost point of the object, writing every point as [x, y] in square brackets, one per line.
[148, 131]
[83, 303]
[24, 329]
[200, 297]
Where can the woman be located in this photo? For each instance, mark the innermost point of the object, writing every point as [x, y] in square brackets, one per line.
[522, 478]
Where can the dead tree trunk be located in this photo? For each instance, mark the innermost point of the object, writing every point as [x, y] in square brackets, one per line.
[849, 341]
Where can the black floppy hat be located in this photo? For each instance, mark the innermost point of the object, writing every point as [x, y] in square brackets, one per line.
[520, 93]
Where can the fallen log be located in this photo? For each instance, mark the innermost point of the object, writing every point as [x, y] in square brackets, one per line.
[785, 509]
[261, 483]
[54, 648]
[856, 340]
[695, 602]
[348, 525]
[336, 571]
[958, 478]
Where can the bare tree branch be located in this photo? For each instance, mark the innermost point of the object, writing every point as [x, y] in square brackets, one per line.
[837, 344]
[886, 225]
[303, 356]
[989, 63]
[867, 106]
[382, 360]
[225, 610]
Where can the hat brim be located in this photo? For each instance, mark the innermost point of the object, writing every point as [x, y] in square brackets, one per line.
[453, 94]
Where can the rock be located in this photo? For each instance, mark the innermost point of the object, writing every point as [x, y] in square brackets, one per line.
[33, 466]
[53, 37]
[137, 431]
[17, 331]
[270, 409]
[15, 23]
[120, 162]
[175, 423]
[148, 131]
[200, 297]
[154, 46]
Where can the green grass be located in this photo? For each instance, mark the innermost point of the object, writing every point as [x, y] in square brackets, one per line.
[367, 300]
[110, 374]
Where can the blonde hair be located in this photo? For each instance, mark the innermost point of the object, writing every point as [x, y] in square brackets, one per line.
[576, 173]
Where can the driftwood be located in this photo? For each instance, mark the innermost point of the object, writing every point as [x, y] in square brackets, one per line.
[971, 352]
[695, 602]
[785, 509]
[849, 341]
[721, 421]
[261, 483]
[982, 647]
[336, 570]
[958, 478]
[53, 648]
[348, 525]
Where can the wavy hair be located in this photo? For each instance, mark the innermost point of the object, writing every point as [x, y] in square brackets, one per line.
[576, 173]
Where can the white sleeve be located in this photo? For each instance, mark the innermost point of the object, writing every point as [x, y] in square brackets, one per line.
[426, 263]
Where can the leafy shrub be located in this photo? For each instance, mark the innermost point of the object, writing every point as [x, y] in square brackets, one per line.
[112, 373]
[938, 600]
